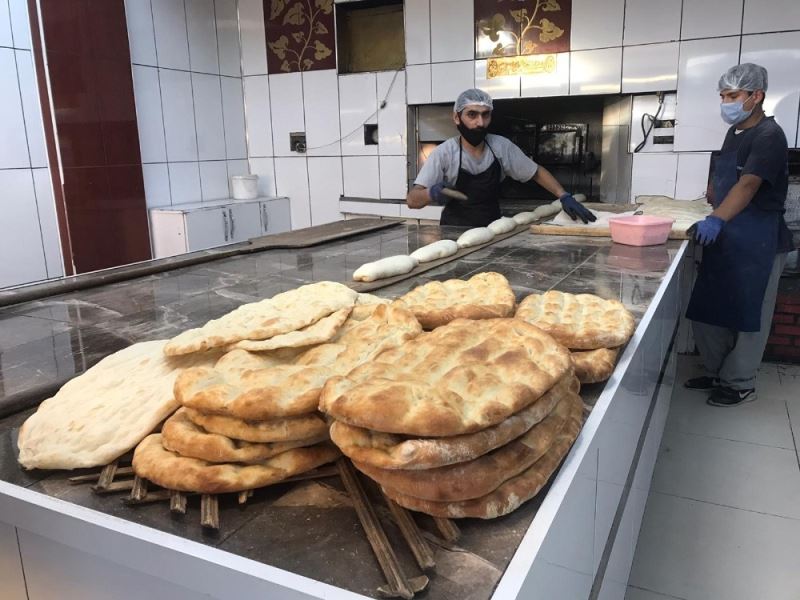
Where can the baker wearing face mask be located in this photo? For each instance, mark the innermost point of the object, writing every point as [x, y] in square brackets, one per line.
[474, 163]
[745, 242]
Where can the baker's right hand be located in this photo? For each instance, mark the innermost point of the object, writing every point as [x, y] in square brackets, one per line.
[436, 195]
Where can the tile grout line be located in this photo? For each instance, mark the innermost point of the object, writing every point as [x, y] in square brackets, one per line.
[717, 437]
[728, 506]
[644, 589]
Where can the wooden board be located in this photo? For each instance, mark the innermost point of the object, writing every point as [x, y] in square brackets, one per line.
[320, 234]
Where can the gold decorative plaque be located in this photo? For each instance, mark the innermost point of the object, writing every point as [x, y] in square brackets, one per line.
[531, 64]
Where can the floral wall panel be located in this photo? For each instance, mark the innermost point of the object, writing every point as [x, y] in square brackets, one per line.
[520, 27]
[300, 35]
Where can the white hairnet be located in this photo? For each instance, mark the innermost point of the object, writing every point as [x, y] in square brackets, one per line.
[747, 76]
[473, 96]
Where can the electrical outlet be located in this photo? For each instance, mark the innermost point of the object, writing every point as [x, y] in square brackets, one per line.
[370, 135]
[297, 141]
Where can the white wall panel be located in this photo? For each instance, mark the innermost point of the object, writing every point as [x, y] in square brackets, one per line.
[378, 209]
[233, 117]
[394, 177]
[358, 104]
[230, 56]
[208, 116]
[548, 84]
[649, 21]
[392, 118]
[692, 179]
[156, 184]
[497, 87]
[779, 53]
[448, 80]
[770, 15]
[254, 45]
[6, 37]
[286, 92]
[699, 126]
[13, 143]
[237, 167]
[711, 18]
[596, 71]
[258, 114]
[178, 106]
[650, 68]
[596, 24]
[214, 180]
[432, 213]
[20, 23]
[417, 16]
[418, 84]
[184, 181]
[361, 176]
[200, 25]
[265, 169]
[11, 575]
[48, 222]
[149, 118]
[325, 188]
[141, 35]
[31, 108]
[452, 30]
[291, 179]
[321, 106]
[654, 174]
[172, 42]
[20, 236]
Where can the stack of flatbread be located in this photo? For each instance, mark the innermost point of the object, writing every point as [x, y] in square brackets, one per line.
[469, 420]
[251, 419]
[592, 328]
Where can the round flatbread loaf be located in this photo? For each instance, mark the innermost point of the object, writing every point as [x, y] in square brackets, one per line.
[483, 475]
[153, 462]
[594, 366]
[579, 321]
[462, 377]
[482, 296]
[391, 451]
[179, 434]
[316, 333]
[275, 430]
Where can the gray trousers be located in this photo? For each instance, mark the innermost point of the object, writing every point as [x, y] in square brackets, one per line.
[734, 356]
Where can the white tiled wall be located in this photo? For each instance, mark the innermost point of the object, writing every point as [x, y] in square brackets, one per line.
[448, 80]
[189, 99]
[358, 105]
[595, 71]
[597, 24]
[650, 68]
[711, 18]
[692, 178]
[325, 188]
[321, 109]
[649, 21]
[291, 179]
[654, 174]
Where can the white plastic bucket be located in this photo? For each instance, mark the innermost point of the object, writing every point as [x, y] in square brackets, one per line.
[244, 187]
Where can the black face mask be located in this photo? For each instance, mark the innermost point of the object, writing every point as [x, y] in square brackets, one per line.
[473, 136]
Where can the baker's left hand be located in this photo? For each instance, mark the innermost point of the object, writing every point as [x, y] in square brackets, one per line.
[707, 230]
[575, 210]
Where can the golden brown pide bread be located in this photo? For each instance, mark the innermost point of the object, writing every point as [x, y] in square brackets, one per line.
[275, 430]
[593, 366]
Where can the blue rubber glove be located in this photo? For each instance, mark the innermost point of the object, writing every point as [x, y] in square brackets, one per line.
[707, 230]
[436, 194]
[575, 210]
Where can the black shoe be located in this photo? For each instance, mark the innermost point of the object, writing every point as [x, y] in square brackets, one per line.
[725, 396]
[703, 384]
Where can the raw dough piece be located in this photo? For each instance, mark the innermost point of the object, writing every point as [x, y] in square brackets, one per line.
[282, 313]
[390, 451]
[524, 218]
[475, 237]
[593, 366]
[390, 266]
[101, 414]
[502, 225]
[482, 296]
[462, 377]
[276, 430]
[153, 462]
[579, 321]
[316, 333]
[436, 250]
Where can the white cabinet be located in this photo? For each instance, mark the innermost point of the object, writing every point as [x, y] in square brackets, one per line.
[192, 227]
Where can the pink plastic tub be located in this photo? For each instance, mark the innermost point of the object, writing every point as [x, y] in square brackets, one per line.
[640, 230]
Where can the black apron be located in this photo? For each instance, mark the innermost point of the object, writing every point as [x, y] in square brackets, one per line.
[735, 270]
[482, 190]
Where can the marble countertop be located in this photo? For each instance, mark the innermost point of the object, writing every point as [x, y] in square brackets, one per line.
[307, 528]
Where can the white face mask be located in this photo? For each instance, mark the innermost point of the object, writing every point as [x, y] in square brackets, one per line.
[734, 112]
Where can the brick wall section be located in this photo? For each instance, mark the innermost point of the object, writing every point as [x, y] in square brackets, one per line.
[784, 340]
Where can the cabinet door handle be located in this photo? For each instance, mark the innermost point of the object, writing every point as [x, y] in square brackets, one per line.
[265, 217]
[225, 224]
[233, 222]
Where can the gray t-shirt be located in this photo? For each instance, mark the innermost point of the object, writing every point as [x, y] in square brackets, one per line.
[442, 164]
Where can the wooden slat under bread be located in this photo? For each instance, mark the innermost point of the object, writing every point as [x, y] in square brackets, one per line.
[459, 378]
[579, 321]
[483, 475]
[391, 451]
[483, 296]
[594, 366]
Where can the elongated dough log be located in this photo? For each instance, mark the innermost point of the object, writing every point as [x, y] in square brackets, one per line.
[385, 267]
[524, 218]
[439, 249]
[548, 210]
[502, 225]
[475, 237]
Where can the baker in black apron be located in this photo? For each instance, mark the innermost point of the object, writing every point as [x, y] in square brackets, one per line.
[745, 241]
[474, 163]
